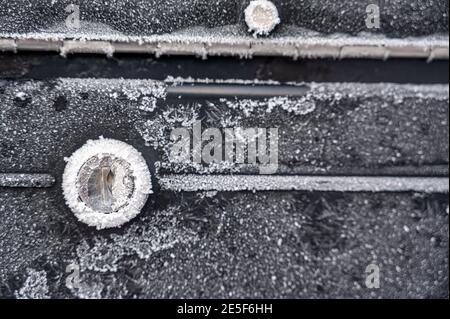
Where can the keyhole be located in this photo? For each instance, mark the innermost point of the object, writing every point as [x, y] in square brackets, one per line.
[105, 182]
[101, 189]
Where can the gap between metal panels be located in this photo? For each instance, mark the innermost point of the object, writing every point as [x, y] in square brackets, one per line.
[49, 66]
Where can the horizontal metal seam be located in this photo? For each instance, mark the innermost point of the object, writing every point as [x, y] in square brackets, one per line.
[376, 50]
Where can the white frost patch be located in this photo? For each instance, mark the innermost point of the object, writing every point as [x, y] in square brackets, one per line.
[161, 231]
[21, 96]
[261, 17]
[148, 104]
[175, 81]
[151, 235]
[35, 286]
[298, 106]
[132, 89]
[156, 133]
[141, 176]
[231, 40]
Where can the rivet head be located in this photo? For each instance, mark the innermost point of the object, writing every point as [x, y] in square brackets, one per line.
[106, 183]
[261, 17]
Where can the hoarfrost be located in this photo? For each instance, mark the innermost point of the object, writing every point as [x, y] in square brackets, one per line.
[148, 104]
[156, 133]
[148, 90]
[152, 234]
[102, 255]
[21, 96]
[35, 286]
[298, 106]
[190, 80]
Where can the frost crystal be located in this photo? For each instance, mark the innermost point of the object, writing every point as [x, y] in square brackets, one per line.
[155, 233]
[35, 286]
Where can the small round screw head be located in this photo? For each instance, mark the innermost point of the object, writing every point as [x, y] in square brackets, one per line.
[261, 17]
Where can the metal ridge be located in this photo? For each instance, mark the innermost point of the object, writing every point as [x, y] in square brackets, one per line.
[226, 183]
[344, 48]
